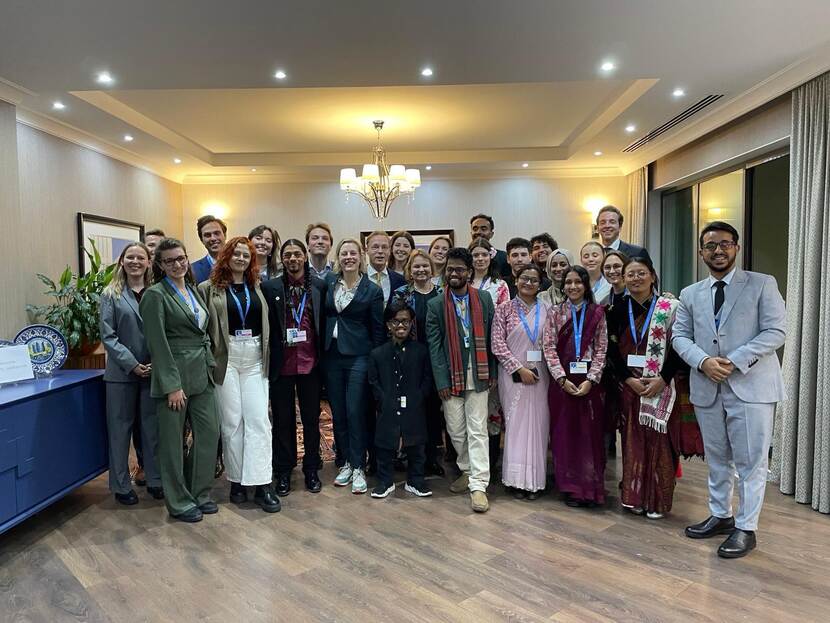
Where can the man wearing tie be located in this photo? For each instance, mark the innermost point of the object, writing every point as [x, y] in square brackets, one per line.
[379, 248]
[609, 223]
[728, 328]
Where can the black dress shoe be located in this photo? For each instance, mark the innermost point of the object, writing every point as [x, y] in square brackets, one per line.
[127, 499]
[713, 526]
[738, 544]
[266, 499]
[284, 484]
[156, 492]
[312, 482]
[189, 516]
[209, 507]
[434, 469]
[238, 493]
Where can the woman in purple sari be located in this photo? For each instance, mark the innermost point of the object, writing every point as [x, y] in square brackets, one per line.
[523, 385]
[575, 341]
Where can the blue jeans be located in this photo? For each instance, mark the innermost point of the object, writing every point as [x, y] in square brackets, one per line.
[347, 384]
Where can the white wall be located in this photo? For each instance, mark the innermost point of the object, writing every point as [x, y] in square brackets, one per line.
[520, 207]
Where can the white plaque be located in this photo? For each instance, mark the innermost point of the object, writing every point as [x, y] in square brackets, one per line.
[15, 364]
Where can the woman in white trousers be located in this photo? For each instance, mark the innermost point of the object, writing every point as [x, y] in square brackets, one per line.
[239, 335]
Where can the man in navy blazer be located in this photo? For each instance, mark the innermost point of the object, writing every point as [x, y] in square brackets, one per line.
[609, 223]
[727, 329]
[379, 249]
[212, 232]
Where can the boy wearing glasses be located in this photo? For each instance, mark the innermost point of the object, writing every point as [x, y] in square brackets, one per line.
[728, 328]
[401, 379]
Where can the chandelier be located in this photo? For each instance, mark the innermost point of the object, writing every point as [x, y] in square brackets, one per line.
[380, 184]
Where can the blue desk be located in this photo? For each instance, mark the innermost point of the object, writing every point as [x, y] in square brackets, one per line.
[53, 439]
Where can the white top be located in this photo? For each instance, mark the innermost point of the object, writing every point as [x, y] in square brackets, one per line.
[342, 297]
[384, 280]
[601, 290]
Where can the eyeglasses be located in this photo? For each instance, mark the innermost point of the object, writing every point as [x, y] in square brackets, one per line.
[531, 281]
[181, 261]
[640, 274]
[288, 255]
[396, 322]
[725, 245]
[455, 270]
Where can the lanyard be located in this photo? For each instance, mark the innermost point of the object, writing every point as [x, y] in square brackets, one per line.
[211, 261]
[298, 315]
[645, 324]
[534, 335]
[242, 316]
[193, 306]
[578, 326]
[484, 283]
[465, 321]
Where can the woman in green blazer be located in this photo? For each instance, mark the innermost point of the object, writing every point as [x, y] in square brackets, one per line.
[175, 325]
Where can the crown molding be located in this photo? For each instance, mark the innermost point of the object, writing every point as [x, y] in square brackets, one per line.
[784, 81]
[13, 93]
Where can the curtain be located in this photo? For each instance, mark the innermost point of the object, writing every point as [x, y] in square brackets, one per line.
[801, 454]
[635, 222]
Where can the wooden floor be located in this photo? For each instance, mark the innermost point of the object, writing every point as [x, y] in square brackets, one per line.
[340, 557]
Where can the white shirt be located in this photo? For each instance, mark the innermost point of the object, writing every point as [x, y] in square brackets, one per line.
[614, 245]
[342, 297]
[727, 279]
[384, 280]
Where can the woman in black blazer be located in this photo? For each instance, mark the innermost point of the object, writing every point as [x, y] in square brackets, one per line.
[354, 326]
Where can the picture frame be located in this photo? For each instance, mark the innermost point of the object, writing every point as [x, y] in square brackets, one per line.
[422, 237]
[110, 235]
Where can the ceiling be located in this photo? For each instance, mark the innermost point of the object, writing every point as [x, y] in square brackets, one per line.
[513, 82]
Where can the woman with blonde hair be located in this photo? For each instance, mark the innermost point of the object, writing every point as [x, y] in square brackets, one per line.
[590, 257]
[354, 326]
[127, 376]
[438, 249]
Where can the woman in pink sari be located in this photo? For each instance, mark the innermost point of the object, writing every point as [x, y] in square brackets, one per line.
[523, 385]
[575, 342]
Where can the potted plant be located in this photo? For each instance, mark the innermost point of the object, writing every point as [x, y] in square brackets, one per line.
[75, 310]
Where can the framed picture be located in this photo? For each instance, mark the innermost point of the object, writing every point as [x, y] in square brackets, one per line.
[422, 237]
[110, 236]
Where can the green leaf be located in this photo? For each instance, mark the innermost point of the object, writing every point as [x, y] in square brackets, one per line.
[66, 277]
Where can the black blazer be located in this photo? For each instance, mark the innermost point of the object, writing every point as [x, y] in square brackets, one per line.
[274, 292]
[394, 421]
[360, 325]
[396, 280]
[500, 260]
[632, 250]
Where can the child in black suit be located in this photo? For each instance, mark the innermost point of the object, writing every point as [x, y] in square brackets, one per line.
[401, 378]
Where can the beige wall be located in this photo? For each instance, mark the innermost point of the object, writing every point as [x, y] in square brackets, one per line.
[520, 207]
[58, 179]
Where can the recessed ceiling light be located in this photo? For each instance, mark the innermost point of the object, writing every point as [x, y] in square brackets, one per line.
[597, 153]
[280, 75]
[630, 128]
[678, 92]
[253, 169]
[104, 77]
[128, 138]
[608, 66]
[177, 160]
[428, 167]
[426, 72]
[525, 165]
[58, 105]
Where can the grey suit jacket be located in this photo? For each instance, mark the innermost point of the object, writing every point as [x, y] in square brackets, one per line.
[751, 330]
[217, 329]
[122, 333]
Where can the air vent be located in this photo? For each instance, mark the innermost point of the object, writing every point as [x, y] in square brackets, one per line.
[674, 121]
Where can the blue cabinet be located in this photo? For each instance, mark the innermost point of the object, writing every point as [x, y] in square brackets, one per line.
[53, 438]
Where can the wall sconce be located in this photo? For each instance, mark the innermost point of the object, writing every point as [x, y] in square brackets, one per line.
[592, 205]
[219, 209]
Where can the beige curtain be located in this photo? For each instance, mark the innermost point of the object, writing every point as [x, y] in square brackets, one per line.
[635, 221]
[801, 454]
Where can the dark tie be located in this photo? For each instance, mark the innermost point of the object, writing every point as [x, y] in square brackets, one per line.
[607, 249]
[719, 286]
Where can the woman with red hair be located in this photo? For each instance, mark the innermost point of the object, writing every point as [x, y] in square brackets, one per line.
[238, 329]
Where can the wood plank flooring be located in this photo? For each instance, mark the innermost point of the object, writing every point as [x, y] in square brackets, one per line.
[341, 558]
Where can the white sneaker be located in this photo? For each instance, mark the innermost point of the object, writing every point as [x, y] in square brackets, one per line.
[381, 492]
[358, 481]
[345, 476]
[651, 515]
[422, 492]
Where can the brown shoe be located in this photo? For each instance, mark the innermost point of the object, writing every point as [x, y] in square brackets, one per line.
[478, 500]
[140, 479]
[460, 484]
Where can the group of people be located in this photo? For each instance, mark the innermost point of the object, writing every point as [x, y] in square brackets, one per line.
[468, 348]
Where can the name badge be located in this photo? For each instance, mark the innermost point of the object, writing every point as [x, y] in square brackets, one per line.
[534, 355]
[636, 361]
[579, 367]
[466, 341]
[403, 402]
[295, 336]
[244, 333]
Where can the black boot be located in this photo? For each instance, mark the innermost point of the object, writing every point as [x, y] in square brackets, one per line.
[238, 493]
[267, 500]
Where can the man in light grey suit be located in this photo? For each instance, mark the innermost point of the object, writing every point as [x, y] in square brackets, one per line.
[727, 329]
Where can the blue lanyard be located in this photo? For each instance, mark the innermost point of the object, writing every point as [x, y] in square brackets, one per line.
[645, 324]
[298, 315]
[532, 335]
[211, 261]
[193, 306]
[578, 326]
[465, 322]
[242, 316]
[484, 283]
